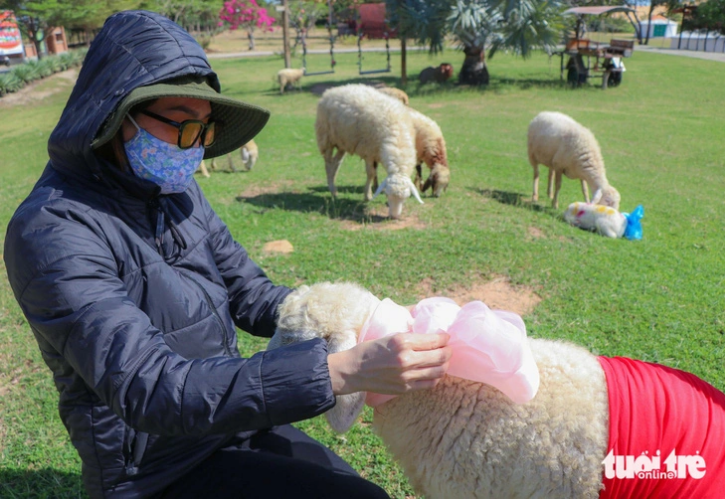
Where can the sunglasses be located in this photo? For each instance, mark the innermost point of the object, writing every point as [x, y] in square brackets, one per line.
[190, 131]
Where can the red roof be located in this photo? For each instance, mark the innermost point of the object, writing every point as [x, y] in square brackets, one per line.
[597, 10]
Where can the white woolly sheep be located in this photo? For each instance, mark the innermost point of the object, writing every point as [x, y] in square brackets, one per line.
[430, 149]
[358, 119]
[557, 141]
[289, 76]
[395, 93]
[249, 153]
[464, 439]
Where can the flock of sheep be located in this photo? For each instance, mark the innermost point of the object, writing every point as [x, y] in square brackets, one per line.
[380, 127]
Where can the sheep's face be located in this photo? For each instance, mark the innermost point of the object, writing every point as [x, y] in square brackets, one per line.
[438, 180]
[395, 206]
[337, 313]
[397, 190]
[608, 196]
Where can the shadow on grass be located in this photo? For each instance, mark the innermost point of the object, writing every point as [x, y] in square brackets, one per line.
[43, 483]
[416, 89]
[513, 199]
[318, 200]
[318, 84]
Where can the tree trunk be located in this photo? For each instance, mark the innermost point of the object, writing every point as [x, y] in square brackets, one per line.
[250, 36]
[403, 62]
[37, 43]
[474, 70]
[649, 23]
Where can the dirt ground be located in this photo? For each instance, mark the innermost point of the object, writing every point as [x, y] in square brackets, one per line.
[497, 294]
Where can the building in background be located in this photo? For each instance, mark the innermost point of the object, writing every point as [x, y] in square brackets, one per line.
[659, 27]
[11, 41]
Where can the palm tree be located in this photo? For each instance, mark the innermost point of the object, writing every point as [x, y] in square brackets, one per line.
[477, 25]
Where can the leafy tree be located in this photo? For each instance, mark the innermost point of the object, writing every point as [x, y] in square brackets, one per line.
[304, 15]
[89, 15]
[194, 15]
[245, 14]
[711, 16]
[477, 25]
[35, 18]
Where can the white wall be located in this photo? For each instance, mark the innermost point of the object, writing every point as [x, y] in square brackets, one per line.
[697, 42]
[670, 31]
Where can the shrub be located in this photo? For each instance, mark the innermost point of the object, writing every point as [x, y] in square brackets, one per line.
[40, 68]
[26, 72]
[9, 82]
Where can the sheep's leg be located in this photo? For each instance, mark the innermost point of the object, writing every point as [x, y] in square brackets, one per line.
[332, 165]
[585, 191]
[372, 172]
[375, 179]
[231, 163]
[535, 196]
[555, 202]
[203, 169]
[418, 177]
[550, 190]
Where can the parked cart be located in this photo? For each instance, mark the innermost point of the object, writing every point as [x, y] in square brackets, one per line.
[586, 58]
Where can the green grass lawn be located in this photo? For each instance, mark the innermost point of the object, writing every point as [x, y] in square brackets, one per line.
[662, 134]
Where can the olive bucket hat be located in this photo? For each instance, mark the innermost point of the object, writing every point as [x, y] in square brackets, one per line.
[236, 121]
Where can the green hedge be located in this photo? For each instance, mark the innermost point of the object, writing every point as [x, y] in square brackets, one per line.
[21, 75]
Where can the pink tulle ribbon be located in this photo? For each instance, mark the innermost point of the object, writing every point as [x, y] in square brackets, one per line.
[489, 346]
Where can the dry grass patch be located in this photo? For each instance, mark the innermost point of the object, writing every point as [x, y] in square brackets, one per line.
[377, 219]
[535, 233]
[498, 294]
[261, 189]
[282, 246]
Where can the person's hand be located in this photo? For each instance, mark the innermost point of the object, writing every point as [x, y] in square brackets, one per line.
[391, 365]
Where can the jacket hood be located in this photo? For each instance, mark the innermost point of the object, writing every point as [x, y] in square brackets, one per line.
[118, 62]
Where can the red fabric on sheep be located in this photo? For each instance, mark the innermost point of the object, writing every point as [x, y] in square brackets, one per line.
[667, 420]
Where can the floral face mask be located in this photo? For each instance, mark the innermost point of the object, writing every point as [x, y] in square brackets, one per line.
[164, 164]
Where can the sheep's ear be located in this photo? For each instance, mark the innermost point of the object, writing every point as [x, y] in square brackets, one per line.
[597, 196]
[428, 183]
[347, 407]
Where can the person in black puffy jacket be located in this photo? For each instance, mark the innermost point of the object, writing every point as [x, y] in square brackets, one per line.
[133, 288]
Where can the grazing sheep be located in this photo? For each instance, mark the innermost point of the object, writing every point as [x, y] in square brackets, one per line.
[439, 73]
[577, 438]
[249, 153]
[289, 76]
[557, 141]
[395, 93]
[430, 147]
[358, 119]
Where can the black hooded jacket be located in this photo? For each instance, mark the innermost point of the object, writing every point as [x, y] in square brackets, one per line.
[133, 297]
